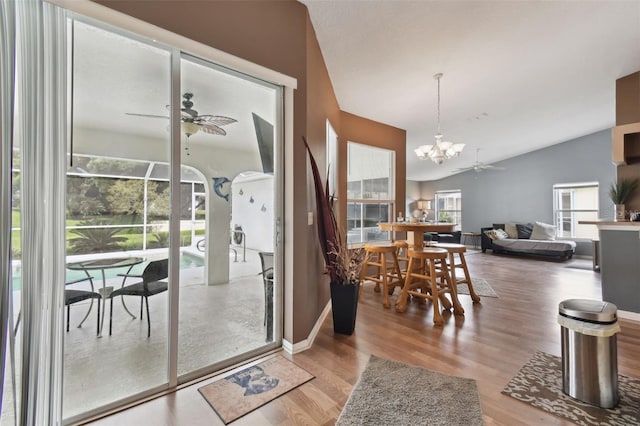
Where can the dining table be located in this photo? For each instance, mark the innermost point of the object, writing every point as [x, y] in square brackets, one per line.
[415, 231]
[101, 265]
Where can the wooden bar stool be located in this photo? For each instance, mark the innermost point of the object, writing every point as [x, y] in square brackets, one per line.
[460, 250]
[402, 253]
[424, 283]
[382, 257]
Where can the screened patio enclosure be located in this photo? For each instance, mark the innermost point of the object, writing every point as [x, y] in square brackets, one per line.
[103, 193]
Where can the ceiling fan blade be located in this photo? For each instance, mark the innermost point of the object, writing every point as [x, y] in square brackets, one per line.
[212, 129]
[491, 166]
[463, 169]
[146, 115]
[218, 120]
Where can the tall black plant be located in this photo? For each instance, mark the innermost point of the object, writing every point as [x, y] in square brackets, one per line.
[343, 265]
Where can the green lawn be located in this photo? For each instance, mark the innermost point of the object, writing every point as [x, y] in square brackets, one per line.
[133, 235]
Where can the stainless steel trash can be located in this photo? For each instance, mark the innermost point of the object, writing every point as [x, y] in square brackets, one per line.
[589, 351]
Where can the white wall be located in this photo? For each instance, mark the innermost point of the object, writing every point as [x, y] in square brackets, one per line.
[255, 218]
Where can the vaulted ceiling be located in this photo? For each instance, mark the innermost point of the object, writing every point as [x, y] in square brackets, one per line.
[518, 75]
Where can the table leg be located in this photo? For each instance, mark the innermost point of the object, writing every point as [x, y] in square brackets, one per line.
[415, 239]
[91, 305]
[104, 293]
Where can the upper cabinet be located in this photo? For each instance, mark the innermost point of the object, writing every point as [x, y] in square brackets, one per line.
[625, 136]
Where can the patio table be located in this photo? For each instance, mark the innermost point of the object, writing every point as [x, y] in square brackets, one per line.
[102, 265]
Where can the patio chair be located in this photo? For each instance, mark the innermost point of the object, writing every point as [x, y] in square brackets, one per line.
[74, 296]
[154, 272]
[266, 260]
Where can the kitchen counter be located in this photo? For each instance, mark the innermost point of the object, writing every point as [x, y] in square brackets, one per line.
[620, 263]
[612, 224]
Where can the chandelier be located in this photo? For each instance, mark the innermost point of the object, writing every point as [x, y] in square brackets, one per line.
[441, 150]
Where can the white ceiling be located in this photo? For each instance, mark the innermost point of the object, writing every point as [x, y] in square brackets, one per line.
[114, 75]
[518, 75]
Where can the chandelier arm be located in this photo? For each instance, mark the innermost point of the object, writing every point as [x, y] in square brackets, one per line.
[441, 150]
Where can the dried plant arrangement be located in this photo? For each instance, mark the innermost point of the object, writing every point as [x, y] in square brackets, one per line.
[343, 264]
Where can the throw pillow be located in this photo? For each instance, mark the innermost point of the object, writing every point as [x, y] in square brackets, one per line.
[543, 231]
[511, 230]
[524, 230]
[496, 234]
[491, 233]
[501, 234]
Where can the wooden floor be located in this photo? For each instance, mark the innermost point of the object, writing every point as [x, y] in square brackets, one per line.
[489, 344]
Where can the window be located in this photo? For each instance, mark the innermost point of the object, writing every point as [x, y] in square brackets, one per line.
[449, 207]
[332, 159]
[370, 192]
[573, 202]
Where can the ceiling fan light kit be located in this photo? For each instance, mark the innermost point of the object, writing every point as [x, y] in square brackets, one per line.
[189, 128]
[441, 150]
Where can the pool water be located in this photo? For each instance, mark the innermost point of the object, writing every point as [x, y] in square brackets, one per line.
[187, 261]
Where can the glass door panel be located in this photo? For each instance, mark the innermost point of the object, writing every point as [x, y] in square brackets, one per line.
[226, 309]
[117, 219]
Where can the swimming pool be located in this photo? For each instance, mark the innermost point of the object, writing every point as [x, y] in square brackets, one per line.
[187, 261]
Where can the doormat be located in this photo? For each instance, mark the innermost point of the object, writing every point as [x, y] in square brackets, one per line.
[480, 286]
[241, 392]
[539, 383]
[393, 393]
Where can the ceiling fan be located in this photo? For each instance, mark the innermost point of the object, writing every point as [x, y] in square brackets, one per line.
[479, 166]
[191, 122]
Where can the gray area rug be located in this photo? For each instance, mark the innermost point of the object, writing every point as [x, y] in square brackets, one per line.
[393, 393]
[481, 287]
[539, 383]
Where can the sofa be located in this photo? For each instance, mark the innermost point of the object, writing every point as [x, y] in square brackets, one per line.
[444, 237]
[531, 239]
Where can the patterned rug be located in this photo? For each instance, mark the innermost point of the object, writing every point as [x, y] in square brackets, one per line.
[393, 393]
[539, 383]
[481, 287]
[241, 392]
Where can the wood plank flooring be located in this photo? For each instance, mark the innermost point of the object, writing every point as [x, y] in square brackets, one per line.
[489, 344]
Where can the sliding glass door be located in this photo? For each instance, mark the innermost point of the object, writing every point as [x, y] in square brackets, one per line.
[228, 131]
[163, 222]
[118, 207]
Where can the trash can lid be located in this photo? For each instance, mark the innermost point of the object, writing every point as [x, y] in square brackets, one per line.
[594, 311]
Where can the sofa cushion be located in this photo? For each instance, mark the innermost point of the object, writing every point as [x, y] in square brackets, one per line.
[538, 247]
[511, 230]
[543, 231]
[498, 226]
[524, 230]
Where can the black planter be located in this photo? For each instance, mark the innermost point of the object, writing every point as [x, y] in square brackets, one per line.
[344, 305]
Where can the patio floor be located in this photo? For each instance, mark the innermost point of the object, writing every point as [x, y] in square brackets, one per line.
[215, 323]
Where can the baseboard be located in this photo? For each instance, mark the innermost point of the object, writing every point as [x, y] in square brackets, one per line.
[634, 316]
[305, 344]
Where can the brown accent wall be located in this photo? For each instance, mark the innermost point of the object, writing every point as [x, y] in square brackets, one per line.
[322, 105]
[279, 35]
[362, 130]
[628, 99]
[628, 112]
